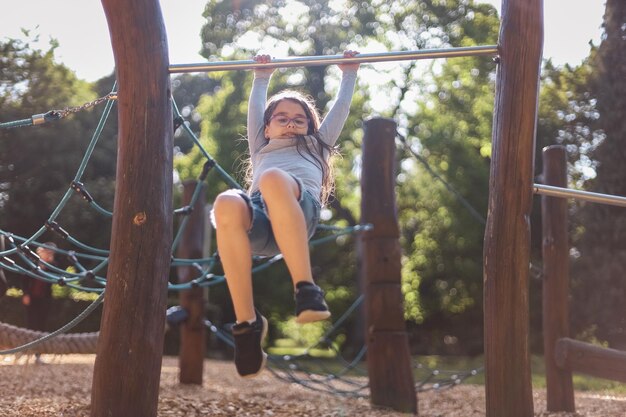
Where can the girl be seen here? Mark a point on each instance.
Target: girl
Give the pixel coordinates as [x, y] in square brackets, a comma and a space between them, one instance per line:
[291, 177]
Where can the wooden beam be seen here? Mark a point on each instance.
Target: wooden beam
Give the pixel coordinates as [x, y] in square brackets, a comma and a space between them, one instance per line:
[193, 330]
[388, 357]
[507, 235]
[589, 359]
[555, 248]
[130, 347]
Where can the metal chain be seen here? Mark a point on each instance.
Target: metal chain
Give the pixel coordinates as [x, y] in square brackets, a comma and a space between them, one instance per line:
[59, 114]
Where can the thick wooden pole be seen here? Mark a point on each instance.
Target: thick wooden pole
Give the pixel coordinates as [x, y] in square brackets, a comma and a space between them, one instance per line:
[555, 247]
[388, 357]
[130, 347]
[192, 331]
[507, 234]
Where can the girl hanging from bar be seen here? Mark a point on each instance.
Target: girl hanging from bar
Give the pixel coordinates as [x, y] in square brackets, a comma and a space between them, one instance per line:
[290, 179]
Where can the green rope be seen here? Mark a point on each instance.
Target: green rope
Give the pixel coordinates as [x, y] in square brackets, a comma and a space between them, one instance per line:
[225, 176]
[16, 123]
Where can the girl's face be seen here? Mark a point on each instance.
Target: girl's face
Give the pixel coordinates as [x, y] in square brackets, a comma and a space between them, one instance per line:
[288, 120]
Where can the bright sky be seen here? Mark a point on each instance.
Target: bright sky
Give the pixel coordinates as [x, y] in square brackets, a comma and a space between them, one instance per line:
[81, 29]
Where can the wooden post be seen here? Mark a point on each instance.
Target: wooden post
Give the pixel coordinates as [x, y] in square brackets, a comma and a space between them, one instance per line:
[388, 357]
[589, 359]
[192, 331]
[507, 235]
[555, 247]
[130, 347]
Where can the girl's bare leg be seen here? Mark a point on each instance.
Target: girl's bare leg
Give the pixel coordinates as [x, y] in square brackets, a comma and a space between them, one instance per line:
[232, 221]
[281, 193]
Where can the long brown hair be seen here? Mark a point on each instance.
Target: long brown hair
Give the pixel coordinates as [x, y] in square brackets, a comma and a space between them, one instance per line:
[313, 154]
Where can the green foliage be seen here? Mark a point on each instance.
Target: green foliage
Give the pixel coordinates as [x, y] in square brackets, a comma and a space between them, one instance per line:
[223, 120]
[38, 163]
[301, 26]
[567, 115]
[59, 291]
[598, 271]
[451, 130]
[303, 336]
[187, 89]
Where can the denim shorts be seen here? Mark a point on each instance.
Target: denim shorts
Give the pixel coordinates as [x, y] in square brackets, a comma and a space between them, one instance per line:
[262, 241]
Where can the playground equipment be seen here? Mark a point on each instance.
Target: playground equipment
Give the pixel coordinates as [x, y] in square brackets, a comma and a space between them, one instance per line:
[506, 255]
[306, 61]
[126, 377]
[129, 351]
[562, 354]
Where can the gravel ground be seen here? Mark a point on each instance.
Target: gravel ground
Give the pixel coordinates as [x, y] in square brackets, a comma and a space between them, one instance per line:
[62, 387]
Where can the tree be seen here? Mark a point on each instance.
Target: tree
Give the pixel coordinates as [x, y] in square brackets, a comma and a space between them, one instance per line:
[187, 89]
[38, 163]
[597, 280]
[567, 116]
[443, 191]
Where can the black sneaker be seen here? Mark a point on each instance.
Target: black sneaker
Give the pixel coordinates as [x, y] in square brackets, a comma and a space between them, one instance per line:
[310, 304]
[249, 356]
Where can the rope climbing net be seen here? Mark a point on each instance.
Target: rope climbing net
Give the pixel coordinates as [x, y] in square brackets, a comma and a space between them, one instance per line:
[347, 377]
[20, 257]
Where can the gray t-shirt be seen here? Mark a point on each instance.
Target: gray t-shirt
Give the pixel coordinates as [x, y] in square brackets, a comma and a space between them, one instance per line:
[282, 153]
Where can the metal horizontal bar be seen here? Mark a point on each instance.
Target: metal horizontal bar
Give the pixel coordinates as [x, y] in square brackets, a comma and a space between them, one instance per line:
[552, 191]
[308, 61]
